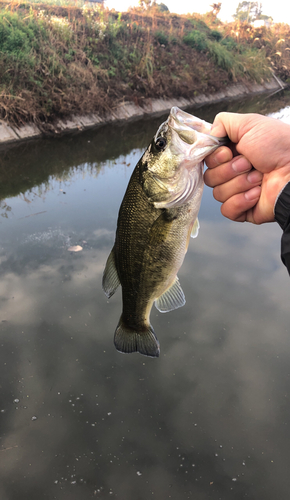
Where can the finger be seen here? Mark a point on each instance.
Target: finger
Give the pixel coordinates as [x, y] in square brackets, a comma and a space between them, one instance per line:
[219, 156]
[227, 171]
[234, 125]
[219, 127]
[236, 207]
[239, 184]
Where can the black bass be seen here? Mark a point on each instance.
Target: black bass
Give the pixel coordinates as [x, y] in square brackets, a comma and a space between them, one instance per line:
[156, 219]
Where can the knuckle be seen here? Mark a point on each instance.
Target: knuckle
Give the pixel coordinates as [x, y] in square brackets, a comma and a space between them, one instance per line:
[210, 161]
[208, 179]
[217, 194]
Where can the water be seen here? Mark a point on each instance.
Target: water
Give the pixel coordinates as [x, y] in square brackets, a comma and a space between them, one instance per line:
[210, 417]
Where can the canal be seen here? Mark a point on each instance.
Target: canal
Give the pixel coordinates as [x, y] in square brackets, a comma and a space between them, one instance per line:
[210, 418]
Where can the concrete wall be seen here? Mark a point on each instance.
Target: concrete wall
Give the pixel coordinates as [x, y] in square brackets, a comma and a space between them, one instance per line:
[128, 111]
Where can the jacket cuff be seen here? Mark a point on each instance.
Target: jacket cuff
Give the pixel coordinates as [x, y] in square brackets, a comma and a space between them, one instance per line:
[282, 207]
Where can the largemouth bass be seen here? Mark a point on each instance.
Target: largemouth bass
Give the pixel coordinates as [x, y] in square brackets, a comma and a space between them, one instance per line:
[157, 216]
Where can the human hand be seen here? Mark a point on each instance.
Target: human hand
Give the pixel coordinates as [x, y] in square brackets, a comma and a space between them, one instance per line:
[260, 142]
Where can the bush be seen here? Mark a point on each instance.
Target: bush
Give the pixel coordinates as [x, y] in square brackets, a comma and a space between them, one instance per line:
[199, 25]
[16, 37]
[196, 40]
[216, 35]
[230, 44]
[161, 37]
[221, 56]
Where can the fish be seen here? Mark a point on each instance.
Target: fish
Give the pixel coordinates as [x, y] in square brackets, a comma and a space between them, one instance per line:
[157, 217]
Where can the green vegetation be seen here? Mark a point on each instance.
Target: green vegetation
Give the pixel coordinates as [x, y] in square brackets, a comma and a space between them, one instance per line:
[57, 61]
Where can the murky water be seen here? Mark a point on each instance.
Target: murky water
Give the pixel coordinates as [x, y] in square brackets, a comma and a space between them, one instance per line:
[78, 420]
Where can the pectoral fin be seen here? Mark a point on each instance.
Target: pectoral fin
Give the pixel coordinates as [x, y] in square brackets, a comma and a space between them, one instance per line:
[171, 299]
[110, 277]
[195, 228]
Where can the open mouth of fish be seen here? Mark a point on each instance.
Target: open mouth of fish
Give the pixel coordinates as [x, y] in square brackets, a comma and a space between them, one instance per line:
[195, 131]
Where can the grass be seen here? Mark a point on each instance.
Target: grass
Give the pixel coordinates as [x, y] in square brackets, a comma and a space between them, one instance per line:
[57, 61]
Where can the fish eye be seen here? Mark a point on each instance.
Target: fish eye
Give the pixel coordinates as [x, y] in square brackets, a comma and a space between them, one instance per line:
[160, 143]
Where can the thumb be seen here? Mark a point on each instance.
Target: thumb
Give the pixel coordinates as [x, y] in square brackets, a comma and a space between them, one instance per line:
[229, 124]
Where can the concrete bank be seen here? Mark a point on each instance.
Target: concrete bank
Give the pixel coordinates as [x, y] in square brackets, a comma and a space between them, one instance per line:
[128, 111]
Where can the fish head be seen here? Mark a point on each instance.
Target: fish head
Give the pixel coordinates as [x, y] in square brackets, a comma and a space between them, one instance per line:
[172, 166]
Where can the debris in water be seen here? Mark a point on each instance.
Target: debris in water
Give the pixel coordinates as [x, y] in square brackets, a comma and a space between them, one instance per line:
[75, 248]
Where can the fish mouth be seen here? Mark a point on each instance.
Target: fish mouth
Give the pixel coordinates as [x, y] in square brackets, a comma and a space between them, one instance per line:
[194, 131]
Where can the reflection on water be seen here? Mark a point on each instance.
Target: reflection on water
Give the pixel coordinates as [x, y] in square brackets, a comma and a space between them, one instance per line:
[209, 418]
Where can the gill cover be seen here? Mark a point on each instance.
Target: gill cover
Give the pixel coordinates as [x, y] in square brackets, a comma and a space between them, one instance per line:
[174, 159]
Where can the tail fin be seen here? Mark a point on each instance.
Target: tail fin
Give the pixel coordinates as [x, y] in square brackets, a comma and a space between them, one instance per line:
[129, 340]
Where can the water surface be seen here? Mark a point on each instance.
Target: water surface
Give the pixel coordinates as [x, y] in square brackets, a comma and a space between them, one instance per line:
[78, 420]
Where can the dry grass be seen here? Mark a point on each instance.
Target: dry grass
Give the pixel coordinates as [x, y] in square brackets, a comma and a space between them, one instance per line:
[57, 61]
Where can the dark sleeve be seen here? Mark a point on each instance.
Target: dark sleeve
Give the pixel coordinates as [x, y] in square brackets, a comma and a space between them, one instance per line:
[282, 216]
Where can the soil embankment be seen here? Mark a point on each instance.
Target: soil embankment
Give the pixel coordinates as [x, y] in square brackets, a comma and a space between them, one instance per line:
[68, 68]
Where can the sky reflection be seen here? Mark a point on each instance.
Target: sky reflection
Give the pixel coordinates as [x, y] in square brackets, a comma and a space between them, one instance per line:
[208, 419]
